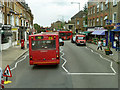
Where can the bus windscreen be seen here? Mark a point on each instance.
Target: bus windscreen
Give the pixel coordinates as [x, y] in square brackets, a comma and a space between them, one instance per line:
[43, 44]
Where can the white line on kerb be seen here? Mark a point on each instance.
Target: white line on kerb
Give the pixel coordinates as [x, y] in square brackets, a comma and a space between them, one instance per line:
[23, 58]
[65, 61]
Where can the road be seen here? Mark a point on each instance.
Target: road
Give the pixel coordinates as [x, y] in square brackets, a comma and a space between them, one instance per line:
[85, 70]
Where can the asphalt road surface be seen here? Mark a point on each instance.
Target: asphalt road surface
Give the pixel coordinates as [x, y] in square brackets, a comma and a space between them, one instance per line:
[81, 63]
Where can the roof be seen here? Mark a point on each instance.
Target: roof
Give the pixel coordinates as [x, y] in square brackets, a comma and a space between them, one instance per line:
[46, 33]
[78, 15]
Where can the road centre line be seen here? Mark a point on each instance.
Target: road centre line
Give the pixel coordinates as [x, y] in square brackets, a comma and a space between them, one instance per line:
[23, 58]
[65, 61]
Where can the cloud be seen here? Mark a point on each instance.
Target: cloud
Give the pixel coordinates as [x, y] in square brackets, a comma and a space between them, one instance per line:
[48, 11]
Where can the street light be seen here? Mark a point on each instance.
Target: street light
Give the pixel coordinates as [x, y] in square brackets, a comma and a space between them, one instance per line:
[76, 3]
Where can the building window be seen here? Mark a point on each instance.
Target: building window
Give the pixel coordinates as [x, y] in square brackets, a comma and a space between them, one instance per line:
[17, 21]
[101, 21]
[77, 22]
[105, 19]
[106, 22]
[97, 21]
[83, 23]
[114, 18]
[7, 3]
[94, 9]
[91, 10]
[106, 1]
[7, 19]
[0, 17]
[101, 6]
[114, 2]
[11, 20]
[3, 19]
[98, 7]
[93, 22]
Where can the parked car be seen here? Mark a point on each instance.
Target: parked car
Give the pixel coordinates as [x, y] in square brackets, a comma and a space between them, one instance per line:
[73, 39]
[80, 40]
[61, 42]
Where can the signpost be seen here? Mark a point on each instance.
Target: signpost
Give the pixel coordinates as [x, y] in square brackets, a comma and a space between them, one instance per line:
[7, 73]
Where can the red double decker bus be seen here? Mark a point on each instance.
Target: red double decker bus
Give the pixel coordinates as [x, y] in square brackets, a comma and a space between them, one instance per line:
[44, 49]
[66, 35]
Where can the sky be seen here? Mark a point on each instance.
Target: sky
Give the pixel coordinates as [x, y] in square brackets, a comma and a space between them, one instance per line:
[48, 11]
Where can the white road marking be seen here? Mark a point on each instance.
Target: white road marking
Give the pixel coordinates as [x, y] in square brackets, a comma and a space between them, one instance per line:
[24, 57]
[65, 61]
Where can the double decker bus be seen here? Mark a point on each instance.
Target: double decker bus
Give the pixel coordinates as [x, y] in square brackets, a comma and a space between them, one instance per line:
[65, 35]
[44, 49]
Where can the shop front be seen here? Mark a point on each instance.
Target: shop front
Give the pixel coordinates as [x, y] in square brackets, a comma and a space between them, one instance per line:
[99, 35]
[6, 35]
[115, 36]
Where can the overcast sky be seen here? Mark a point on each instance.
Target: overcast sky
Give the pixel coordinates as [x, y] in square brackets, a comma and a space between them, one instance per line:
[48, 11]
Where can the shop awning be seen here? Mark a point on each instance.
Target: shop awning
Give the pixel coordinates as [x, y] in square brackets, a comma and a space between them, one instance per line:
[86, 32]
[99, 32]
[116, 30]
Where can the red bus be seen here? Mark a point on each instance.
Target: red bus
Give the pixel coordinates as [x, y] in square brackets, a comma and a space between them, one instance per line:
[44, 49]
[66, 35]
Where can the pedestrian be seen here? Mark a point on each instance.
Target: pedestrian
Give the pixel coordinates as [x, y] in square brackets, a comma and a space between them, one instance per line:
[117, 45]
[99, 45]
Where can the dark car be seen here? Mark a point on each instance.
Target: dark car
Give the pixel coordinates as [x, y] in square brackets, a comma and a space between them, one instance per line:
[61, 42]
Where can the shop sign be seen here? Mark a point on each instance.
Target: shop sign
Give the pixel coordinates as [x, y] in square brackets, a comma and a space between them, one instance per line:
[6, 27]
[14, 29]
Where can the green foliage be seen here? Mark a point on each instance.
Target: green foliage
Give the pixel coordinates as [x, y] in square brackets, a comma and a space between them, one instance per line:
[37, 27]
[86, 12]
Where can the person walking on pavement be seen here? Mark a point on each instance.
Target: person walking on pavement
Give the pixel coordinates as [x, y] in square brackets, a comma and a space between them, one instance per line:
[117, 45]
[99, 45]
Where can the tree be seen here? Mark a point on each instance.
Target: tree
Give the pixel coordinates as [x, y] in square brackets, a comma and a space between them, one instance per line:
[86, 12]
[37, 27]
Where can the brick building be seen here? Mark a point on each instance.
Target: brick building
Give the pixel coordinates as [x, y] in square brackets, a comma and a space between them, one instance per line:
[100, 12]
[79, 21]
[18, 17]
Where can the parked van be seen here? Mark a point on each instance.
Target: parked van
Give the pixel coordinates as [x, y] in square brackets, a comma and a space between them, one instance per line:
[80, 40]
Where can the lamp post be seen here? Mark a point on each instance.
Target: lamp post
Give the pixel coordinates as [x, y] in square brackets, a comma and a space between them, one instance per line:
[76, 3]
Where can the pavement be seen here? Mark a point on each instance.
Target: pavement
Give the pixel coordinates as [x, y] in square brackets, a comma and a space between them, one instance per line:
[114, 56]
[11, 55]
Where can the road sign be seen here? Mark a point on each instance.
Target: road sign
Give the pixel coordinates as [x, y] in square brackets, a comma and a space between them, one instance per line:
[7, 72]
[109, 21]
